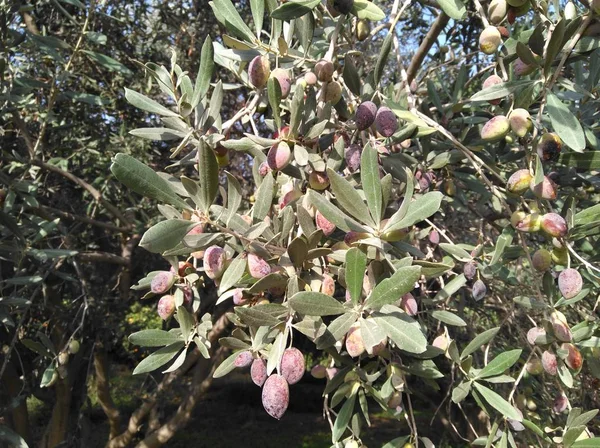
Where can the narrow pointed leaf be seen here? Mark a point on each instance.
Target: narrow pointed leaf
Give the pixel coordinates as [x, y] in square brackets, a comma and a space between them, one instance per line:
[315, 304]
[392, 289]
[498, 403]
[371, 183]
[143, 180]
[159, 358]
[356, 263]
[166, 235]
[208, 173]
[205, 71]
[264, 198]
[565, 123]
[418, 210]
[500, 363]
[348, 198]
[153, 338]
[149, 105]
[402, 329]
[334, 214]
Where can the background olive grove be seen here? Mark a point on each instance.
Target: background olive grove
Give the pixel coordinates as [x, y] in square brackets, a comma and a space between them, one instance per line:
[70, 230]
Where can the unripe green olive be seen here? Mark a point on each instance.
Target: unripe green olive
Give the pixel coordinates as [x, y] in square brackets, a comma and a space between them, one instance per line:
[362, 29]
[495, 129]
[74, 346]
[497, 11]
[520, 122]
[541, 260]
[490, 40]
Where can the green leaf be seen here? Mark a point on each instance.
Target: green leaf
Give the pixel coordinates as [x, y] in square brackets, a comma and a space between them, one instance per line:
[215, 105]
[525, 54]
[205, 71]
[232, 274]
[369, 177]
[565, 123]
[294, 9]
[296, 108]
[356, 263]
[25, 280]
[159, 358]
[424, 207]
[408, 193]
[274, 93]
[588, 216]
[499, 90]
[108, 62]
[498, 403]
[456, 251]
[166, 235]
[12, 438]
[315, 304]
[402, 329]
[343, 418]
[333, 214]
[149, 105]
[37, 347]
[392, 289]
[153, 338]
[460, 392]
[305, 30]
[351, 75]
[582, 419]
[503, 241]
[186, 322]
[228, 15]
[347, 196]
[589, 443]
[272, 280]
[451, 287]
[97, 38]
[158, 134]
[383, 56]
[371, 333]
[234, 197]
[297, 251]
[276, 352]
[500, 364]
[178, 362]
[257, 317]
[87, 98]
[588, 160]
[479, 340]
[364, 9]
[258, 14]
[448, 318]
[554, 46]
[48, 375]
[336, 330]
[226, 366]
[434, 97]
[208, 173]
[264, 198]
[397, 442]
[453, 8]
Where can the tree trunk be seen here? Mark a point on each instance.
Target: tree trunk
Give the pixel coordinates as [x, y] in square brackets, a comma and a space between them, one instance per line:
[138, 417]
[19, 415]
[203, 378]
[56, 430]
[103, 391]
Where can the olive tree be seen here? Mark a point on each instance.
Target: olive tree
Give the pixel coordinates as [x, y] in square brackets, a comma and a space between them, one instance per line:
[424, 211]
